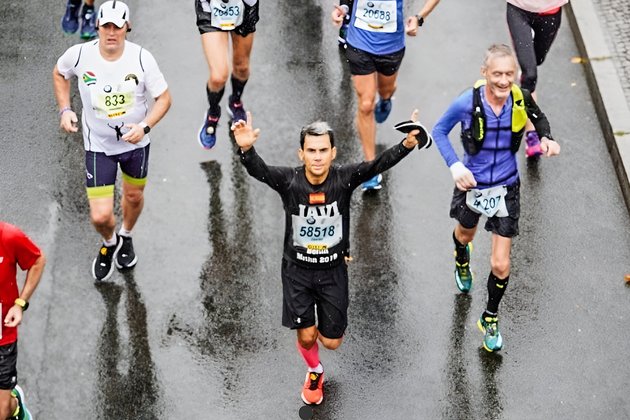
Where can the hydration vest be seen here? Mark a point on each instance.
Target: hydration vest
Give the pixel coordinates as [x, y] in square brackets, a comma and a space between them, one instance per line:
[472, 138]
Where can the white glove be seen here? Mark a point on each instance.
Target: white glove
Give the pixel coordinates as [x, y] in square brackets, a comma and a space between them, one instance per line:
[464, 179]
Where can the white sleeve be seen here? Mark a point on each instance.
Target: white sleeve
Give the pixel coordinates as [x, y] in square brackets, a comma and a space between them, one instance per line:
[154, 80]
[66, 63]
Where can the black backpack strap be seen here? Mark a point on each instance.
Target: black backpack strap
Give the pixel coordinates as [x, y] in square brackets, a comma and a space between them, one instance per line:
[478, 125]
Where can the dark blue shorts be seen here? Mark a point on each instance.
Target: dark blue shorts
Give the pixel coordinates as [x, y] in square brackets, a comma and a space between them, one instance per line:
[100, 170]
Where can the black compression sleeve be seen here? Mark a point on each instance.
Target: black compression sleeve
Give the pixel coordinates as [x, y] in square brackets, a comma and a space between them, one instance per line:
[536, 116]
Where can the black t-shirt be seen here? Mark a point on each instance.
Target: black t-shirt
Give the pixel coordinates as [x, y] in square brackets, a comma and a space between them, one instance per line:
[317, 217]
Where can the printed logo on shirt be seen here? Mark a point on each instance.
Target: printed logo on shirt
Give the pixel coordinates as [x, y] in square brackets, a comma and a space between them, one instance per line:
[1, 259]
[89, 78]
[317, 198]
[133, 77]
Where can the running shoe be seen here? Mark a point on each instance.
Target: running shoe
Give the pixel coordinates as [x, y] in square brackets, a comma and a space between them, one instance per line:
[372, 183]
[236, 110]
[489, 326]
[382, 110]
[102, 266]
[23, 413]
[463, 274]
[88, 22]
[343, 31]
[532, 145]
[313, 392]
[70, 20]
[208, 131]
[126, 257]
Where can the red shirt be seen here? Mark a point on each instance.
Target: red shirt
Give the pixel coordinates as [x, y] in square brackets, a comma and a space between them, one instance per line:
[15, 248]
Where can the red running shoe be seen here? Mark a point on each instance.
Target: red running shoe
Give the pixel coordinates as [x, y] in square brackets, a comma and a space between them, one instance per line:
[313, 392]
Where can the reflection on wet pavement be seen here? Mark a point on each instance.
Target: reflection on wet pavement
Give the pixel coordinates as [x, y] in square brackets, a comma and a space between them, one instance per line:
[458, 399]
[229, 329]
[126, 383]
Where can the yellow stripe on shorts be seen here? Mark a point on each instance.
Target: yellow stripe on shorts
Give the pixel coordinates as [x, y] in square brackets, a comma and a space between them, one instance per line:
[134, 181]
[104, 191]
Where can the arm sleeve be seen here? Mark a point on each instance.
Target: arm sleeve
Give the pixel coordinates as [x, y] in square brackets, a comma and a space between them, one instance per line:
[154, 80]
[277, 177]
[25, 250]
[460, 110]
[67, 62]
[536, 116]
[363, 171]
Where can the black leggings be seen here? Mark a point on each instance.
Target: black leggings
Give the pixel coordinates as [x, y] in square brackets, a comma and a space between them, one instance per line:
[531, 51]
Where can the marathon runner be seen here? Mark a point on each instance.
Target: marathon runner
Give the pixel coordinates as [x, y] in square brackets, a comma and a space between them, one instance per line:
[533, 27]
[316, 198]
[375, 46]
[218, 21]
[16, 249]
[115, 76]
[492, 117]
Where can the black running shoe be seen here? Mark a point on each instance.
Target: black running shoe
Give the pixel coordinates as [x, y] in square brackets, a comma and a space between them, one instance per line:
[102, 266]
[126, 257]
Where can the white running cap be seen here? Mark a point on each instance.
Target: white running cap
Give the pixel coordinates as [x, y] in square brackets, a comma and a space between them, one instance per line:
[115, 12]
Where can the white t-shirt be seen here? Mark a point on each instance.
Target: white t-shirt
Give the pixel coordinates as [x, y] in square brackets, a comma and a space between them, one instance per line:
[538, 6]
[113, 93]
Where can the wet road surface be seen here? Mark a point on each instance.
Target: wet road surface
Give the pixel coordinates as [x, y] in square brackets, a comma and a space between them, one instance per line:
[195, 329]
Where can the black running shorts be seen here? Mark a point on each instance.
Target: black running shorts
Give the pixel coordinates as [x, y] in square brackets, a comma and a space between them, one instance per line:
[8, 366]
[248, 26]
[304, 289]
[100, 170]
[363, 63]
[502, 226]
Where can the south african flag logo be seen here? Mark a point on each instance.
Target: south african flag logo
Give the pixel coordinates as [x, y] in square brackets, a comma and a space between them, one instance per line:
[89, 78]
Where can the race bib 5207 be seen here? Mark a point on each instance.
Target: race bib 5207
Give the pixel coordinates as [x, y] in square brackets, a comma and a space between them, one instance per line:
[489, 202]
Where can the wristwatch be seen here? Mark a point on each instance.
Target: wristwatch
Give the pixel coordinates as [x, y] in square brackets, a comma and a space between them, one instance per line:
[21, 303]
[145, 127]
[420, 19]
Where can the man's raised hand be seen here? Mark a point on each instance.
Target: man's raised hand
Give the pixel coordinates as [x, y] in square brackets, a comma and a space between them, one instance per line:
[244, 133]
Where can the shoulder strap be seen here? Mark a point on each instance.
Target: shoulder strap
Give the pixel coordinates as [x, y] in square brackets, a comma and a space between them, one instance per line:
[478, 115]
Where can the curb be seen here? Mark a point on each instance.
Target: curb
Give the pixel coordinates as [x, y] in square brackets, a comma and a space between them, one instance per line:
[606, 89]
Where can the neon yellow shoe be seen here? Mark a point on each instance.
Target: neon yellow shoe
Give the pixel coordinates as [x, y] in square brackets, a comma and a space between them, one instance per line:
[489, 326]
[23, 413]
[463, 274]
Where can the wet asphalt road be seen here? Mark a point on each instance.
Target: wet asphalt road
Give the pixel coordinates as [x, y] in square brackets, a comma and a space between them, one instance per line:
[194, 330]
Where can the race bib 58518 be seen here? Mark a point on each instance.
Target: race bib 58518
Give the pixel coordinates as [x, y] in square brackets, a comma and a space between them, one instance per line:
[317, 228]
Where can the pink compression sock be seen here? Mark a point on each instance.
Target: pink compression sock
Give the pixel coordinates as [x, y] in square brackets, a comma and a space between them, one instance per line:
[311, 356]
